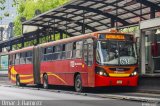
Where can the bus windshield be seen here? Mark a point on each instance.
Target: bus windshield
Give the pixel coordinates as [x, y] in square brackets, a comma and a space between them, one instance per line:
[112, 52]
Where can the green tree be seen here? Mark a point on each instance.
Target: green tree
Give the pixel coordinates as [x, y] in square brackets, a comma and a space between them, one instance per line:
[26, 9]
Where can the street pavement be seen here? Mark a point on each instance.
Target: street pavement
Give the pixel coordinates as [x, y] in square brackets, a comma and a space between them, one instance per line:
[48, 98]
[11, 95]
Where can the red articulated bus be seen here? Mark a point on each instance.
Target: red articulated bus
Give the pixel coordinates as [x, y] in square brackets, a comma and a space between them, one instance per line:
[93, 60]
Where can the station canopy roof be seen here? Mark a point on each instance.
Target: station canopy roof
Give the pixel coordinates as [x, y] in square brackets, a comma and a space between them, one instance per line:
[94, 15]
[84, 16]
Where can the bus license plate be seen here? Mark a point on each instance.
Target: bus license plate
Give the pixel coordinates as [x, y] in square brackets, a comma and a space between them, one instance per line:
[119, 81]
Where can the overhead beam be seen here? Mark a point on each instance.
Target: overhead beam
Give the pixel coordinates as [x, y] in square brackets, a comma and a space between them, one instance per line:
[70, 20]
[149, 4]
[74, 15]
[113, 4]
[65, 32]
[46, 26]
[98, 12]
[57, 25]
[18, 40]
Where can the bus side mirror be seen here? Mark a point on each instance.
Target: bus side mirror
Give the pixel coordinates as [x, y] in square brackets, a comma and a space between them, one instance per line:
[154, 48]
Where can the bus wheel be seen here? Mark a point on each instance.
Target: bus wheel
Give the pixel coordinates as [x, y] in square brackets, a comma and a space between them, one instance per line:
[45, 81]
[18, 83]
[78, 83]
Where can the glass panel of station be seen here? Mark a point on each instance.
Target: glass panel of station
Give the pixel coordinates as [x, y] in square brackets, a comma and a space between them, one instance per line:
[152, 51]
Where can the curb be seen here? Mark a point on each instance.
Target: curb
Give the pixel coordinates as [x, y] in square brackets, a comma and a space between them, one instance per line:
[131, 98]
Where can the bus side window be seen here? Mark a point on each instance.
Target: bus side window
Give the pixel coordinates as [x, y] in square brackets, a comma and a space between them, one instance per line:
[17, 58]
[10, 59]
[49, 51]
[17, 55]
[13, 59]
[44, 51]
[22, 58]
[63, 51]
[88, 51]
[74, 50]
[85, 53]
[58, 50]
[69, 48]
[54, 49]
[54, 53]
[90, 54]
[44, 54]
[79, 46]
[29, 57]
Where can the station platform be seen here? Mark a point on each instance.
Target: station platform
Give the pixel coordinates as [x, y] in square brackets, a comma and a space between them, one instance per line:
[149, 83]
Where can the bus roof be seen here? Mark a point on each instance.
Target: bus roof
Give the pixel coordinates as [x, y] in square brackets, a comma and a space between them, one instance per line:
[67, 40]
[22, 50]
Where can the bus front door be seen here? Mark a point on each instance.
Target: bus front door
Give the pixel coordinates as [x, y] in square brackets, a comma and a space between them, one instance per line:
[88, 58]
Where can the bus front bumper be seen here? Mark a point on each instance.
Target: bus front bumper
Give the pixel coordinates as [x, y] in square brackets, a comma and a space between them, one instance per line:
[101, 81]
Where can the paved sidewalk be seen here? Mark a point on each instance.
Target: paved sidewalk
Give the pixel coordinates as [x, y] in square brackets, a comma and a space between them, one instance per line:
[4, 78]
[4, 73]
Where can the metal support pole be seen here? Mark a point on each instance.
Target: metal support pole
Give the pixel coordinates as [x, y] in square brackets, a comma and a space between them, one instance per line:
[141, 12]
[22, 30]
[1, 35]
[1, 30]
[142, 52]
[50, 36]
[37, 39]
[116, 14]
[37, 36]
[22, 42]
[152, 15]
[151, 39]
[61, 35]
[112, 23]
[49, 33]
[66, 26]
[11, 47]
[83, 26]
[54, 32]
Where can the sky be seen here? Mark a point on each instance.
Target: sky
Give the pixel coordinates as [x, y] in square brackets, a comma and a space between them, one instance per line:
[11, 10]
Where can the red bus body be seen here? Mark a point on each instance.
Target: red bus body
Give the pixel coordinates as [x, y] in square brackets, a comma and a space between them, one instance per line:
[24, 70]
[63, 71]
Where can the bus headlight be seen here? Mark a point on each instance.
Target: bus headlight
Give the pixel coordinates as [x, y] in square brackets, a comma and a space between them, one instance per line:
[101, 71]
[134, 73]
